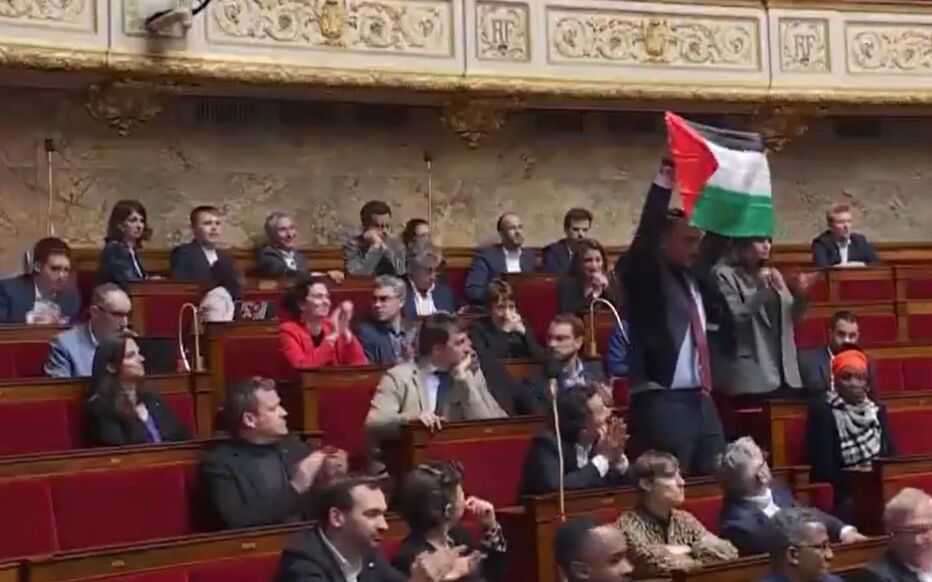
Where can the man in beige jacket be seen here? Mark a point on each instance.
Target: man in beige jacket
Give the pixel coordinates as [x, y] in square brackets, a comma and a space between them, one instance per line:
[444, 384]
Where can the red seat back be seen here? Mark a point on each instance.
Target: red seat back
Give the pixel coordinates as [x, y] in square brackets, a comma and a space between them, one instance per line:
[492, 467]
[254, 356]
[162, 313]
[866, 290]
[536, 298]
[705, 509]
[456, 279]
[36, 426]
[917, 373]
[167, 575]
[811, 332]
[795, 441]
[909, 432]
[878, 328]
[888, 375]
[920, 326]
[26, 507]
[24, 359]
[342, 416]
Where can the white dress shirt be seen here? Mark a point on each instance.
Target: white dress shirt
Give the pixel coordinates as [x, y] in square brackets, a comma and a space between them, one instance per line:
[922, 576]
[423, 302]
[136, 267]
[686, 374]
[433, 387]
[512, 261]
[290, 261]
[350, 571]
[211, 255]
[843, 251]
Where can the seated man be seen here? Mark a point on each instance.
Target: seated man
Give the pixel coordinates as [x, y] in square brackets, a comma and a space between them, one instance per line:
[753, 498]
[261, 475]
[443, 384]
[840, 246]
[281, 257]
[593, 443]
[800, 549]
[71, 353]
[45, 295]
[908, 520]
[193, 261]
[587, 551]
[386, 338]
[815, 364]
[426, 293]
[508, 256]
[375, 252]
[559, 255]
[564, 341]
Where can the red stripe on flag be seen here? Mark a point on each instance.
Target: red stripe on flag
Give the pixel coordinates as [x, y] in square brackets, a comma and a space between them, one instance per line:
[692, 158]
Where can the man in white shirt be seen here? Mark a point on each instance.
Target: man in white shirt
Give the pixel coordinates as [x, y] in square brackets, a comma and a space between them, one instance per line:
[839, 245]
[427, 294]
[194, 261]
[508, 256]
[908, 520]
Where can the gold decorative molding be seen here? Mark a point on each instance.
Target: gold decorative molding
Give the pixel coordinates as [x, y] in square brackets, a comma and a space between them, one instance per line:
[804, 46]
[404, 27]
[781, 124]
[123, 104]
[476, 119]
[889, 48]
[638, 38]
[502, 31]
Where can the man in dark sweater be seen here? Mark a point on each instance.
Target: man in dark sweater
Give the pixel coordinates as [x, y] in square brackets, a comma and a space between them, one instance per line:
[261, 475]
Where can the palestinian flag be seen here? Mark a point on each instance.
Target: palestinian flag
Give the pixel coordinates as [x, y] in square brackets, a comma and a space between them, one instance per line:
[723, 177]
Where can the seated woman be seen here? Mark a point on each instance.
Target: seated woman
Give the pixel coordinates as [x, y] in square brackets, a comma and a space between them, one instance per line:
[662, 538]
[587, 280]
[432, 505]
[312, 336]
[127, 228]
[119, 410]
[845, 429]
[503, 334]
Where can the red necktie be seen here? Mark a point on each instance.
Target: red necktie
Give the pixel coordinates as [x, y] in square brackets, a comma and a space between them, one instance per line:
[702, 345]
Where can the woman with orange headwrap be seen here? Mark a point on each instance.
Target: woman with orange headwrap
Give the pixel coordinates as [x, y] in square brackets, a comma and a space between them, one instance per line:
[845, 428]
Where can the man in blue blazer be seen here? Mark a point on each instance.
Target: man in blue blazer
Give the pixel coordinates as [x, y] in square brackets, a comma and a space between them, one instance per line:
[800, 549]
[426, 294]
[386, 337]
[840, 245]
[558, 255]
[47, 294]
[194, 261]
[508, 256]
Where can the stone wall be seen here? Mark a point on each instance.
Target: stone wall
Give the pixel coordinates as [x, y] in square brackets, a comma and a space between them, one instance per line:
[324, 160]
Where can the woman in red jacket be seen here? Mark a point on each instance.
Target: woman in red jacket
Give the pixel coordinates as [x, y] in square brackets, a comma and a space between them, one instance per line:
[313, 337]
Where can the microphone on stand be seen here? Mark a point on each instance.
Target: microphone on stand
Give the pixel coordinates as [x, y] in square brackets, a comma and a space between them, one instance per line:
[552, 368]
[182, 351]
[593, 348]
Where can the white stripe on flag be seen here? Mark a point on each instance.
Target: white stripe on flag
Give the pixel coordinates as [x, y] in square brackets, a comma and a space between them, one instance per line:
[740, 171]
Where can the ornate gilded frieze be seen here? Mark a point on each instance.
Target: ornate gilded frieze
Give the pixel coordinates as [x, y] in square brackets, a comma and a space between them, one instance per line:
[502, 31]
[476, 119]
[578, 36]
[409, 27]
[889, 48]
[79, 14]
[804, 46]
[123, 105]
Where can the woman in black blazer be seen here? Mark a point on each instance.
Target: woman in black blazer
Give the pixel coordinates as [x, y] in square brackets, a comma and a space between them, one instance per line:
[120, 260]
[119, 410]
[432, 503]
[588, 279]
[503, 333]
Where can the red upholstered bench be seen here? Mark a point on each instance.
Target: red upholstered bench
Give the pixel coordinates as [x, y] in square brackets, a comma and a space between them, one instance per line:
[902, 368]
[706, 509]
[872, 489]
[156, 305]
[879, 324]
[536, 297]
[863, 285]
[24, 349]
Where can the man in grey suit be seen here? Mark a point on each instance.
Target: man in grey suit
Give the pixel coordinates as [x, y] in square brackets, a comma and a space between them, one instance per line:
[71, 352]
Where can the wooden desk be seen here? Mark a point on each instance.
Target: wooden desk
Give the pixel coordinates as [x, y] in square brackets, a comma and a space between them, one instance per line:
[872, 489]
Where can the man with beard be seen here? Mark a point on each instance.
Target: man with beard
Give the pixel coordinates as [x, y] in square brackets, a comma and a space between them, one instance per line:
[815, 364]
[908, 519]
[508, 256]
[564, 341]
[589, 552]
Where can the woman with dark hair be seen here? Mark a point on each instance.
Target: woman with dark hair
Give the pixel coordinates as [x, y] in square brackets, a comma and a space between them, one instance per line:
[119, 410]
[127, 229]
[312, 336]
[587, 279]
[503, 333]
[432, 505]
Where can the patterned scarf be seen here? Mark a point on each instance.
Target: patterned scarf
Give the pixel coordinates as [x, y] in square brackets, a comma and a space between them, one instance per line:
[858, 430]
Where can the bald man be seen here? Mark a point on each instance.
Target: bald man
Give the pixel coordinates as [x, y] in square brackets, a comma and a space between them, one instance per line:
[508, 256]
[908, 519]
[589, 552]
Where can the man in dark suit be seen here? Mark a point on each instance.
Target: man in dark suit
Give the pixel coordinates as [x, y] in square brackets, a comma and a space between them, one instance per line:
[593, 444]
[386, 337]
[344, 543]
[564, 342]
[675, 316]
[194, 261]
[753, 498]
[840, 245]
[508, 256]
[261, 475]
[280, 257]
[46, 295]
[589, 551]
[426, 293]
[815, 364]
[908, 519]
[558, 255]
[800, 549]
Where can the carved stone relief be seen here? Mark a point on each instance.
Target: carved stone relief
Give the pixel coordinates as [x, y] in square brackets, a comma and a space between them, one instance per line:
[475, 119]
[634, 38]
[50, 13]
[889, 48]
[804, 45]
[502, 31]
[416, 27]
[781, 124]
[123, 104]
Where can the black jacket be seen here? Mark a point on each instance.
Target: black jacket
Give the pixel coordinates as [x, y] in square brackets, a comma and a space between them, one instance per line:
[572, 298]
[886, 568]
[106, 427]
[189, 263]
[241, 494]
[271, 264]
[825, 252]
[491, 342]
[18, 297]
[116, 265]
[542, 469]
[557, 257]
[815, 370]
[516, 398]
[492, 569]
[308, 559]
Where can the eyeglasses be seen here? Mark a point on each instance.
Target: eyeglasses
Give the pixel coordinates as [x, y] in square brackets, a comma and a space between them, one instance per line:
[913, 530]
[113, 313]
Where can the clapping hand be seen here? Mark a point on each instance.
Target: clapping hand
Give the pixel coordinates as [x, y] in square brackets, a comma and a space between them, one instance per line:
[335, 465]
[340, 319]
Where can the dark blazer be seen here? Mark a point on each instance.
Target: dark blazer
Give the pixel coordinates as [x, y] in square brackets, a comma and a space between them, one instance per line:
[188, 263]
[493, 566]
[441, 294]
[557, 257]
[18, 297]
[491, 342]
[815, 369]
[592, 372]
[515, 398]
[106, 427]
[115, 265]
[776, 577]
[542, 469]
[749, 529]
[886, 568]
[571, 296]
[271, 263]
[307, 558]
[487, 264]
[825, 252]
[377, 344]
[240, 493]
